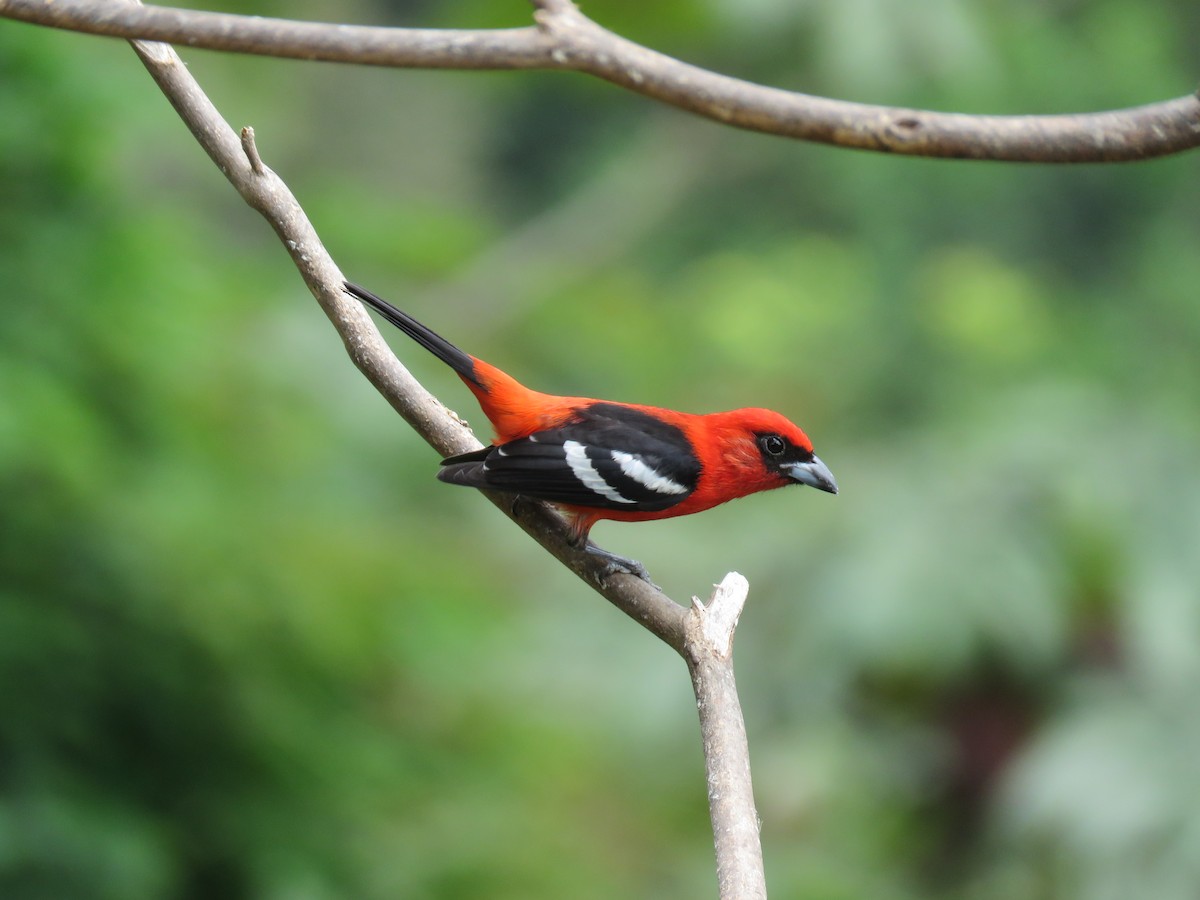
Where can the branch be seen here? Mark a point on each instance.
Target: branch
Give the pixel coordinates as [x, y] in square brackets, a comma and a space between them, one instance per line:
[709, 654]
[564, 39]
[703, 636]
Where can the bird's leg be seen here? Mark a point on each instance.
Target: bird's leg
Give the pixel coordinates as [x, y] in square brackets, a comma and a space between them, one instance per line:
[614, 563]
[577, 537]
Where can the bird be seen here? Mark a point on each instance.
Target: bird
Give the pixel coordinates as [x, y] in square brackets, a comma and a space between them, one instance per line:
[599, 460]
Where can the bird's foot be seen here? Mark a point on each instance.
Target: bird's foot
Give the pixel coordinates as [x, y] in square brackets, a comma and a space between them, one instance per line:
[614, 563]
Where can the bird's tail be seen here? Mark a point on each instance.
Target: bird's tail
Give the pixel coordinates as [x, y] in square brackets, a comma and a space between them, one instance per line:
[460, 362]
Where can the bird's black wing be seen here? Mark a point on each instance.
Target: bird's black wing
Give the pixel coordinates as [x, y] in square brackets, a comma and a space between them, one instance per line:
[608, 457]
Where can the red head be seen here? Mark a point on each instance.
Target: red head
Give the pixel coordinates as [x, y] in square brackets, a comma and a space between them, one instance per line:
[759, 450]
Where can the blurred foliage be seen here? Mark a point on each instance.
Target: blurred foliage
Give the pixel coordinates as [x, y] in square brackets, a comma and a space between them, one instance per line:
[249, 648]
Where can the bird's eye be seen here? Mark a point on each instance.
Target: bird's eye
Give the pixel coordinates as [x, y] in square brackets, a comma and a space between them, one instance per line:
[773, 444]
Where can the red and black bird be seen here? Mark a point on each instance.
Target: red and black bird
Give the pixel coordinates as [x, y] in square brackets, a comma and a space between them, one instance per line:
[596, 459]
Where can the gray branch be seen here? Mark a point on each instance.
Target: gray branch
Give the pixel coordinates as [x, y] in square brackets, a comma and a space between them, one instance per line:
[564, 39]
[709, 654]
[702, 636]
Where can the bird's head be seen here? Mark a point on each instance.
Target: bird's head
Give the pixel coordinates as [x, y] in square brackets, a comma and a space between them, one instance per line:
[770, 443]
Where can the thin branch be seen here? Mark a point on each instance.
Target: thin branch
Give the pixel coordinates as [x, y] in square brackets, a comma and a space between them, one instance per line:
[703, 636]
[564, 39]
[238, 158]
[709, 653]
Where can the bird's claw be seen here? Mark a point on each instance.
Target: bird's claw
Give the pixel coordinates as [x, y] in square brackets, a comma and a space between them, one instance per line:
[614, 564]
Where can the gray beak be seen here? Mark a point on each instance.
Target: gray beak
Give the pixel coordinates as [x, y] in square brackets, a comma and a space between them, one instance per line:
[814, 473]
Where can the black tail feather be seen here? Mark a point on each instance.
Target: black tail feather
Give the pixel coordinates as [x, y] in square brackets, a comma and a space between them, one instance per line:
[466, 468]
[469, 473]
[460, 362]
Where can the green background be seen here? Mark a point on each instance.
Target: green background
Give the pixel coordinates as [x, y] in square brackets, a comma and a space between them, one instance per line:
[250, 648]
